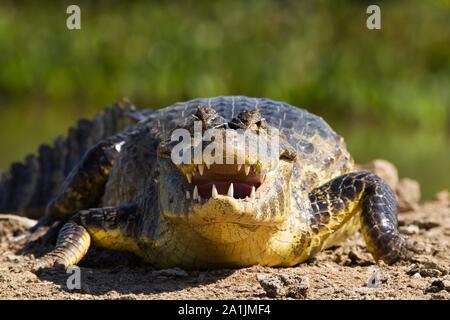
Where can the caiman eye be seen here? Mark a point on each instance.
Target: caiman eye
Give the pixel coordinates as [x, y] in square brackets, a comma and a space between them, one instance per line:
[288, 155]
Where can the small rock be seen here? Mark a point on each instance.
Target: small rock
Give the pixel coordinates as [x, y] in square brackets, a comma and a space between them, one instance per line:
[443, 197]
[272, 285]
[25, 222]
[358, 259]
[386, 170]
[426, 225]
[430, 273]
[446, 284]
[438, 286]
[172, 272]
[433, 265]
[425, 264]
[12, 258]
[413, 269]
[426, 269]
[409, 230]
[408, 194]
[441, 295]
[279, 286]
[417, 275]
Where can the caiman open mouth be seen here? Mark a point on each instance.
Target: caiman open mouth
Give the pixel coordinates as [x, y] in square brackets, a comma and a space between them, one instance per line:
[236, 181]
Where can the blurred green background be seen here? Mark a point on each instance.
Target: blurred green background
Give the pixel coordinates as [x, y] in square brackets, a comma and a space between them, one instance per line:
[387, 91]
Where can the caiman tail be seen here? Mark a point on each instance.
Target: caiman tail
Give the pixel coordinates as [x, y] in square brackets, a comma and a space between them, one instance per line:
[27, 187]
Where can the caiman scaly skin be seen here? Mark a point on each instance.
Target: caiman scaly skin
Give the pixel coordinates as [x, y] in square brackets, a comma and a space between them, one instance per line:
[125, 193]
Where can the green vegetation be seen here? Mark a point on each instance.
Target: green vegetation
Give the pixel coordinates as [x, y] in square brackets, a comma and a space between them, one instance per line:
[386, 91]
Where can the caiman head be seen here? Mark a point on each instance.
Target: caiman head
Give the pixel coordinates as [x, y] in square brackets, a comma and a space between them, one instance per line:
[232, 174]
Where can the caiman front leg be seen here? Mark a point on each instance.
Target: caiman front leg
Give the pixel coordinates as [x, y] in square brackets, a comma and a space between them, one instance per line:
[82, 188]
[367, 196]
[112, 228]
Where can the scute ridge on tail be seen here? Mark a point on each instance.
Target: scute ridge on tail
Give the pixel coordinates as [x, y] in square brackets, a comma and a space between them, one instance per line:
[28, 186]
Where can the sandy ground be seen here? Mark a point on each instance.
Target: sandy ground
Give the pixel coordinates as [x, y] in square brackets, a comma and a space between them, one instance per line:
[344, 272]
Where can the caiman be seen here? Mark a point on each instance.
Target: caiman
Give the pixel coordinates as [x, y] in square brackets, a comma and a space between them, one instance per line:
[113, 182]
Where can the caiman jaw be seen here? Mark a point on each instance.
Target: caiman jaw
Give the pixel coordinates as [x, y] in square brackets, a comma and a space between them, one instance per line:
[211, 181]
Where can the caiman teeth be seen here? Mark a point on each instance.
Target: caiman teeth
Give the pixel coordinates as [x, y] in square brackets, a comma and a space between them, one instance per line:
[195, 194]
[201, 168]
[222, 180]
[230, 192]
[214, 192]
